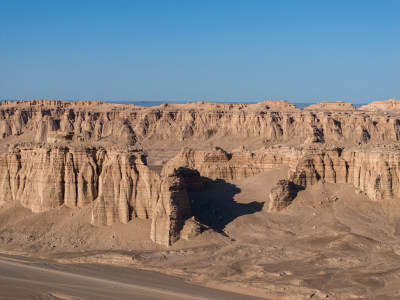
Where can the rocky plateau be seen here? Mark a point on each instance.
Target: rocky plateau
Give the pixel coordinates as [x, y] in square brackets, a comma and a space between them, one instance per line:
[125, 162]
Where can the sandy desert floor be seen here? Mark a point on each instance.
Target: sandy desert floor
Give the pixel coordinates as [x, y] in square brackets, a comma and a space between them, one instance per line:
[32, 278]
[330, 243]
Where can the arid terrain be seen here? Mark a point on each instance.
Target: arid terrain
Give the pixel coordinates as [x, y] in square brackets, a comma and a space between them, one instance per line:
[259, 200]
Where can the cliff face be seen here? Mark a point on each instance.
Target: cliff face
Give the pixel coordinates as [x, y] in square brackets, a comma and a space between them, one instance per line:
[171, 211]
[216, 163]
[78, 154]
[42, 177]
[388, 105]
[115, 180]
[374, 171]
[325, 105]
[127, 189]
[267, 122]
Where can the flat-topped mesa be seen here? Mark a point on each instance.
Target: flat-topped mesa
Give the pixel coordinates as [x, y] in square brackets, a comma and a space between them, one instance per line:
[43, 178]
[274, 105]
[391, 104]
[206, 105]
[326, 105]
[278, 105]
[51, 103]
[176, 125]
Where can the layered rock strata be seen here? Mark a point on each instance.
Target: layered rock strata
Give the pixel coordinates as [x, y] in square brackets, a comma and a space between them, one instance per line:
[115, 181]
[325, 105]
[374, 171]
[388, 105]
[172, 209]
[80, 153]
[216, 163]
[42, 177]
[266, 122]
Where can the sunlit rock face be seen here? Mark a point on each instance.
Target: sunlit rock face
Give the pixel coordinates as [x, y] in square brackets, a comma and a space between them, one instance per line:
[44, 177]
[55, 153]
[268, 122]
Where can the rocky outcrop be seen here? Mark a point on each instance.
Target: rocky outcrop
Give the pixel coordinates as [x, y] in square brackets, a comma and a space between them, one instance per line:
[81, 153]
[172, 210]
[116, 182]
[331, 106]
[192, 179]
[43, 177]
[191, 229]
[374, 171]
[215, 163]
[282, 194]
[388, 105]
[265, 123]
[127, 189]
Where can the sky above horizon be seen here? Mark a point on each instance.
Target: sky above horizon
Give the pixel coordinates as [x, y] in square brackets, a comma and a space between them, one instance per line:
[300, 51]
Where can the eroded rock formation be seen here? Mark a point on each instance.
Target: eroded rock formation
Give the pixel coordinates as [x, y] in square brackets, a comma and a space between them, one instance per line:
[282, 194]
[216, 163]
[374, 171]
[172, 209]
[325, 105]
[56, 153]
[265, 123]
[116, 181]
[42, 177]
[388, 105]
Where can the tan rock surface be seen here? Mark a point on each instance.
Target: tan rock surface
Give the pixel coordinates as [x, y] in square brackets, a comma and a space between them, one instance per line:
[388, 105]
[172, 209]
[73, 163]
[325, 105]
[282, 194]
[173, 126]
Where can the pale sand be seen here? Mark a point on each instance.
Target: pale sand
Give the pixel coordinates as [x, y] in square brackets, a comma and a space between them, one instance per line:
[23, 278]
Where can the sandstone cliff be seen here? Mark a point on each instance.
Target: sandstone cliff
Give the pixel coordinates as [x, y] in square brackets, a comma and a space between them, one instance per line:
[172, 209]
[374, 171]
[216, 163]
[325, 105]
[81, 153]
[115, 180]
[388, 105]
[282, 194]
[42, 177]
[265, 123]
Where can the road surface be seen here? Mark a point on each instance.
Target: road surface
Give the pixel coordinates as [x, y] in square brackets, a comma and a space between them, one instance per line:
[32, 278]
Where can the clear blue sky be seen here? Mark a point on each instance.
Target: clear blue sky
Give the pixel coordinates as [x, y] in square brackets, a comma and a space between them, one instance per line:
[301, 51]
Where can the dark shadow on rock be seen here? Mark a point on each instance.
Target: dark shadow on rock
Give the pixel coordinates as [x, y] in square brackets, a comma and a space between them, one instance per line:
[215, 206]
